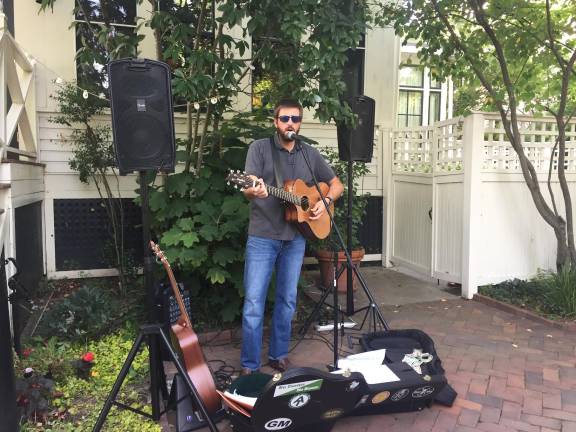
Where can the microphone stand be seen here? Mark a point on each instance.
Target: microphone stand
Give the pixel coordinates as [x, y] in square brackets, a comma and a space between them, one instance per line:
[373, 305]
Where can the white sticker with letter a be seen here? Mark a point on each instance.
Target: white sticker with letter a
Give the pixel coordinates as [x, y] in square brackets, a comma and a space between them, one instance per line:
[299, 400]
[278, 423]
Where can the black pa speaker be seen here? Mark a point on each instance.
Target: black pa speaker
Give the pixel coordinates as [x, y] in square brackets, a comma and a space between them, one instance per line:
[142, 115]
[357, 144]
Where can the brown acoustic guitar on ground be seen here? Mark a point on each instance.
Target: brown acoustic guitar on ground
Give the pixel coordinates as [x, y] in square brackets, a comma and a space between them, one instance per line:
[300, 199]
[189, 347]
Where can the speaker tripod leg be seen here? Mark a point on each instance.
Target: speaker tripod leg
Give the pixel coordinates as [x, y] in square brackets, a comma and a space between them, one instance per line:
[119, 381]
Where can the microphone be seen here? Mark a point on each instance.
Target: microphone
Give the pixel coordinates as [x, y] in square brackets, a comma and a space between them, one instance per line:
[291, 135]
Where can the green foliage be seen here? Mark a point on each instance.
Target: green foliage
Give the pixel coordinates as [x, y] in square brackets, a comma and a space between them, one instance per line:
[550, 294]
[517, 292]
[202, 229]
[75, 403]
[561, 290]
[359, 202]
[87, 312]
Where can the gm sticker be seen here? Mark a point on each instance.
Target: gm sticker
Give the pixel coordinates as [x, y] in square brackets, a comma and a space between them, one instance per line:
[300, 387]
[278, 423]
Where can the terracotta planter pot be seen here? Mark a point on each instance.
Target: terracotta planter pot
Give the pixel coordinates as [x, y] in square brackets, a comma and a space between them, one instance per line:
[326, 263]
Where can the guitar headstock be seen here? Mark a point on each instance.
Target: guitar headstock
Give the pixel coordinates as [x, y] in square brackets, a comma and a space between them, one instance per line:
[158, 252]
[240, 179]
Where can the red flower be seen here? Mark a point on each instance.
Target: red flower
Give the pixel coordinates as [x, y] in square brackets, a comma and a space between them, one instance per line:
[88, 357]
[26, 352]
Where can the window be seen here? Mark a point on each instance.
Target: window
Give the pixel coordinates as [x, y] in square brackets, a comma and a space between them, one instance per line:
[90, 16]
[420, 96]
[411, 76]
[410, 108]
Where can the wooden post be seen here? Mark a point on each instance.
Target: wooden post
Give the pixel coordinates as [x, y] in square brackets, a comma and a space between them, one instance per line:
[471, 217]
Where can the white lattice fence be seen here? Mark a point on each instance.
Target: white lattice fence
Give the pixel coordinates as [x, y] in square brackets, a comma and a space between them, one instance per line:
[412, 150]
[539, 137]
[448, 146]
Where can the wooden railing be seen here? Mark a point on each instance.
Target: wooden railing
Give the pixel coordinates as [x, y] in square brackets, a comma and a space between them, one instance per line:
[17, 105]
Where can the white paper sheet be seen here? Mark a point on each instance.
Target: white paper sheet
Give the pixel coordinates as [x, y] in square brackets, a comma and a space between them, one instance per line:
[369, 364]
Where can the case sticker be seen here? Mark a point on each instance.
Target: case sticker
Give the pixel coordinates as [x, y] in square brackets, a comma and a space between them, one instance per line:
[400, 394]
[333, 413]
[380, 397]
[352, 386]
[421, 392]
[298, 387]
[278, 424]
[299, 400]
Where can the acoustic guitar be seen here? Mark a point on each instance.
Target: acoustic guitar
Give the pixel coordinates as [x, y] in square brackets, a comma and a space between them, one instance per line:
[189, 347]
[300, 199]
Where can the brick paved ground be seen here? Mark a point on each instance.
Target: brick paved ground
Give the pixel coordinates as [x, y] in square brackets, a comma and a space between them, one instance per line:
[511, 374]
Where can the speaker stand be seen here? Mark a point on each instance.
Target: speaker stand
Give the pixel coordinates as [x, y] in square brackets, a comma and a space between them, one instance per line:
[157, 376]
[150, 331]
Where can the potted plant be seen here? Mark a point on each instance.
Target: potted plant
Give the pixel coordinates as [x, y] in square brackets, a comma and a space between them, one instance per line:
[324, 249]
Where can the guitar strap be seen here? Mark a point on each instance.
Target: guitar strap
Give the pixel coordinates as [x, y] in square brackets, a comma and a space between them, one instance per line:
[277, 172]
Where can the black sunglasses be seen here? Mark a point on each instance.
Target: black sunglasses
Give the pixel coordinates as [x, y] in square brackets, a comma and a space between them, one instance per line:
[285, 118]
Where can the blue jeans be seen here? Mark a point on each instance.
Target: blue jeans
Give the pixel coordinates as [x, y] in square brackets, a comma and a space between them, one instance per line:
[262, 256]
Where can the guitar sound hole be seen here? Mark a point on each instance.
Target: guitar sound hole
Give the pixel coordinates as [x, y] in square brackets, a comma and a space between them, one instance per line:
[305, 204]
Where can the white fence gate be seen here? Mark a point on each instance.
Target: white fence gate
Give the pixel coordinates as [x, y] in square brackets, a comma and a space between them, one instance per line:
[426, 195]
[459, 208]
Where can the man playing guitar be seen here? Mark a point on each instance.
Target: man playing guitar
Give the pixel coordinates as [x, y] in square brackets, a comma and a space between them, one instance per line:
[273, 243]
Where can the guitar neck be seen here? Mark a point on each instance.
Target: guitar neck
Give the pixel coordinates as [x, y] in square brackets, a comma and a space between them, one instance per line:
[284, 195]
[178, 296]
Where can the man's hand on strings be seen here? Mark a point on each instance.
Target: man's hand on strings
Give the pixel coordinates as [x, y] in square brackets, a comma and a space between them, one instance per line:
[318, 210]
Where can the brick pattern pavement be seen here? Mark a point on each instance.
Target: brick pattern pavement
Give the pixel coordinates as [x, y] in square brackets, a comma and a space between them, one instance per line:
[511, 374]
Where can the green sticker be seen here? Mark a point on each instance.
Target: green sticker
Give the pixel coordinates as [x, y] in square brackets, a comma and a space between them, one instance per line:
[299, 387]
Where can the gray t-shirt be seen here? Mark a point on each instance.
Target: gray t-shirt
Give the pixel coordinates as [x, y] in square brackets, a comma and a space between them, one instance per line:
[267, 215]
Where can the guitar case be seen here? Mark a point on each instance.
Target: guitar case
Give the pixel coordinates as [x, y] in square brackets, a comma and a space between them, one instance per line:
[414, 391]
[302, 400]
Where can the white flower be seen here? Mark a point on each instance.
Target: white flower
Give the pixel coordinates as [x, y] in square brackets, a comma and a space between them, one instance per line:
[85, 94]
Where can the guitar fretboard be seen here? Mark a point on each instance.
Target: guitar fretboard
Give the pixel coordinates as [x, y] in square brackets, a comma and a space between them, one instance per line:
[284, 195]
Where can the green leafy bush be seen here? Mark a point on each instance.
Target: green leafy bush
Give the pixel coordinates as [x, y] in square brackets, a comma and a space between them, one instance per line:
[88, 311]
